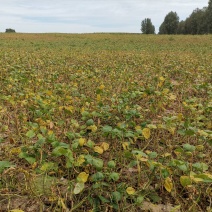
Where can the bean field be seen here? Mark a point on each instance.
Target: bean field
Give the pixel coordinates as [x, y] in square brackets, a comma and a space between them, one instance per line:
[105, 122]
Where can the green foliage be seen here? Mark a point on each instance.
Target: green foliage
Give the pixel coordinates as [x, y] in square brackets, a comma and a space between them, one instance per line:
[9, 30]
[118, 123]
[147, 27]
[209, 16]
[199, 22]
[4, 165]
[196, 23]
[170, 24]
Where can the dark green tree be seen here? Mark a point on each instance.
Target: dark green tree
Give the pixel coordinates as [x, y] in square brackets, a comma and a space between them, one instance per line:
[9, 30]
[170, 24]
[196, 23]
[162, 29]
[209, 16]
[181, 27]
[147, 27]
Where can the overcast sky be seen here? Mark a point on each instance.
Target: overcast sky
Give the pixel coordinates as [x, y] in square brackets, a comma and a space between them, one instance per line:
[85, 16]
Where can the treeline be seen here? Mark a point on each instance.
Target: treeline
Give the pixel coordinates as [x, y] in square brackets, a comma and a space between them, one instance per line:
[199, 22]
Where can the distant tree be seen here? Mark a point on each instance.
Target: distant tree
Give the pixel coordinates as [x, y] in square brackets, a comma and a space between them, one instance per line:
[209, 16]
[170, 24]
[196, 23]
[181, 27]
[147, 27]
[162, 29]
[9, 30]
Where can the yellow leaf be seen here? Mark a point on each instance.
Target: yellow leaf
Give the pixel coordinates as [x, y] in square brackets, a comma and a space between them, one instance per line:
[93, 128]
[180, 117]
[15, 151]
[80, 160]
[196, 180]
[152, 126]
[52, 199]
[82, 110]
[139, 157]
[50, 132]
[202, 133]
[82, 177]
[16, 210]
[34, 165]
[98, 97]
[49, 93]
[172, 130]
[137, 128]
[146, 133]
[130, 190]
[168, 184]
[125, 145]
[166, 154]
[165, 91]
[98, 149]
[200, 147]
[105, 146]
[101, 87]
[69, 108]
[172, 96]
[162, 79]
[127, 107]
[82, 141]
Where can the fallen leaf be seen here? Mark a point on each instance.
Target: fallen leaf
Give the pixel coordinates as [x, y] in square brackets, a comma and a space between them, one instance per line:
[146, 133]
[168, 184]
[130, 190]
[98, 149]
[82, 177]
[105, 146]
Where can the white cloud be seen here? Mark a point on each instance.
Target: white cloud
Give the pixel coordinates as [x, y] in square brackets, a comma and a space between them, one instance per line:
[89, 15]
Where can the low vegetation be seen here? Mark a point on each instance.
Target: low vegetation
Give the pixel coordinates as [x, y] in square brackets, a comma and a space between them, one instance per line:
[105, 122]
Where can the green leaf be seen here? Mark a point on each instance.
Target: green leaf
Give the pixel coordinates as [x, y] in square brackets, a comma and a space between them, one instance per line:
[89, 122]
[4, 165]
[1, 140]
[206, 177]
[116, 196]
[200, 166]
[114, 176]
[78, 188]
[97, 177]
[48, 167]
[96, 162]
[111, 164]
[107, 129]
[30, 160]
[189, 147]
[59, 151]
[69, 163]
[139, 200]
[137, 152]
[185, 181]
[152, 155]
[154, 197]
[183, 167]
[90, 144]
[30, 134]
[103, 199]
